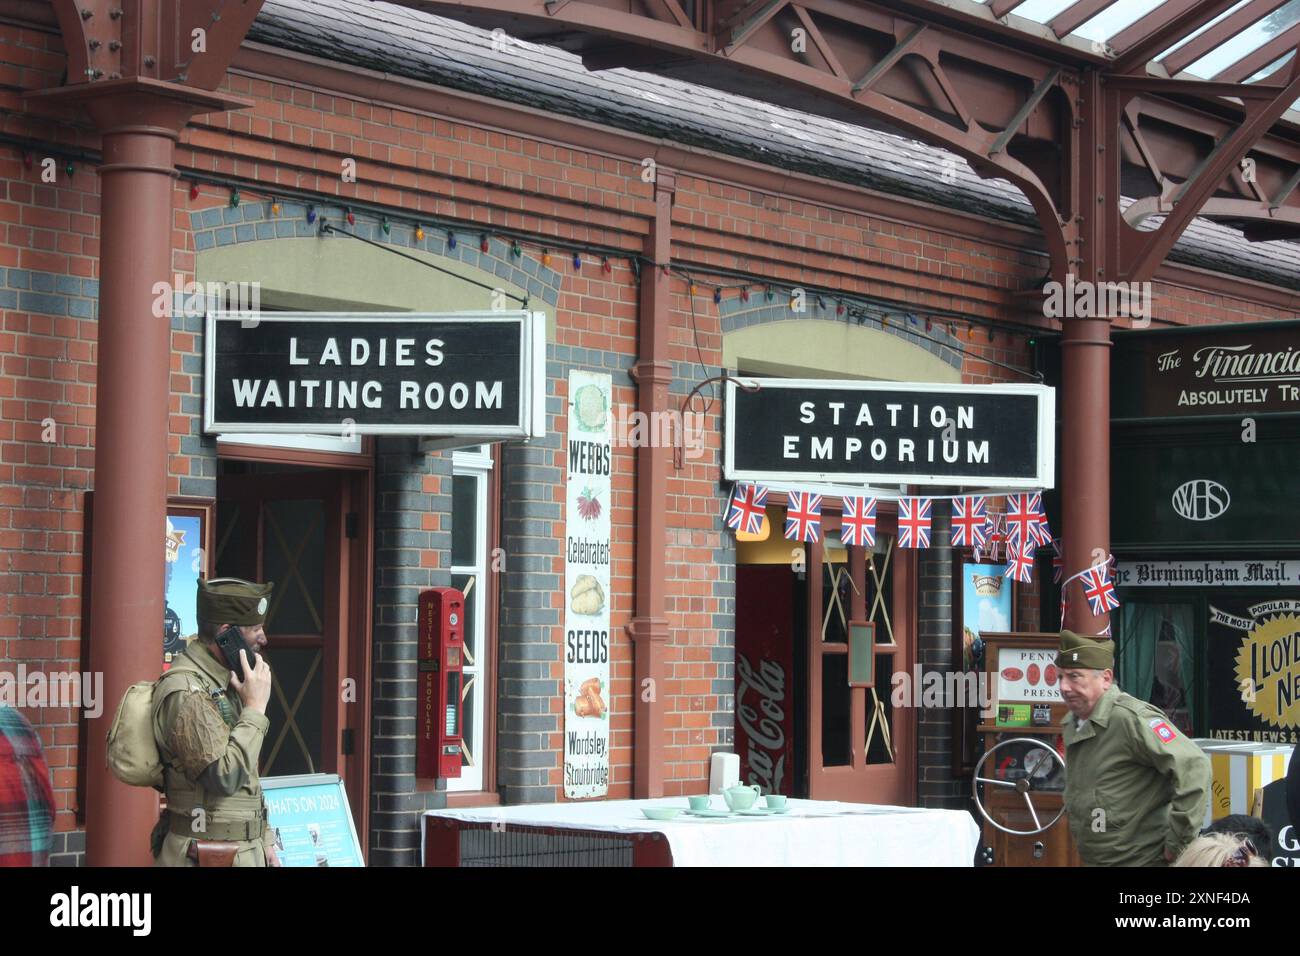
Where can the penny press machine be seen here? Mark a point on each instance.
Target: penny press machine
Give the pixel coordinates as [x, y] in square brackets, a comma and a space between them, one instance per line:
[1019, 782]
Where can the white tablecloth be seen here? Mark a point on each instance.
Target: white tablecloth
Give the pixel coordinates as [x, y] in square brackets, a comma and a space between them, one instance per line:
[813, 833]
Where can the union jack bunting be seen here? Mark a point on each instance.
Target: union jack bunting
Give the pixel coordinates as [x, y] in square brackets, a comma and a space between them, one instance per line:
[968, 522]
[746, 508]
[1099, 590]
[994, 537]
[914, 522]
[1022, 520]
[1058, 561]
[803, 517]
[1042, 532]
[1020, 564]
[858, 522]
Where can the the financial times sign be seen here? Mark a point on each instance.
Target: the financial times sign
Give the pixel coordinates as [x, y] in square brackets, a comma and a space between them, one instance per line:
[890, 432]
[475, 374]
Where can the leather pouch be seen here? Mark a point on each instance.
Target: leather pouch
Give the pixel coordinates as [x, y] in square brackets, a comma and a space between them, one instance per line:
[212, 853]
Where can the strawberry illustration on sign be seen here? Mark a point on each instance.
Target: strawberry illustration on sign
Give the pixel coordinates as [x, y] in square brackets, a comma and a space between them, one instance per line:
[588, 505]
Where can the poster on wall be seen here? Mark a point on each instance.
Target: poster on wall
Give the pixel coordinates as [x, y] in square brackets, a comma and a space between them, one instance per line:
[184, 565]
[586, 586]
[1254, 668]
[986, 599]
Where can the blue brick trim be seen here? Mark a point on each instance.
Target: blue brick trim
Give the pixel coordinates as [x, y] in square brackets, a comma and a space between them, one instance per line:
[254, 222]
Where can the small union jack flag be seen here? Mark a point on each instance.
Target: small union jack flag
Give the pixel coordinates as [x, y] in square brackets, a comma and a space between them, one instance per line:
[993, 538]
[1058, 561]
[1043, 533]
[914, 522]
[1022, 520]
[858, 522]
[746, 508]
[803, 517]
[1099, 590]
[968, 522]
[1020, 564]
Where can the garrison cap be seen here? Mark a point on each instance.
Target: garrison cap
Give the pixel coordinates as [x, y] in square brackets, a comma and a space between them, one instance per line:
[233, 601]
[1085, 650]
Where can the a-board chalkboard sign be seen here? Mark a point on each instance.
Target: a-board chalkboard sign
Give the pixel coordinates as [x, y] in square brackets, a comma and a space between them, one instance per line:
[312, 820]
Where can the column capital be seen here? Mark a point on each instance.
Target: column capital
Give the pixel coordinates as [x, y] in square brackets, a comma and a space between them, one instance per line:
[138, 104]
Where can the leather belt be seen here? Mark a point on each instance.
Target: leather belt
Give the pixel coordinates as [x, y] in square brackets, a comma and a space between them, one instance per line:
[242, 830]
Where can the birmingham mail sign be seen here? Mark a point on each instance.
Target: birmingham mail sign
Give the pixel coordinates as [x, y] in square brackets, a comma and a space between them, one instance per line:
[476, 374]
[890, 432]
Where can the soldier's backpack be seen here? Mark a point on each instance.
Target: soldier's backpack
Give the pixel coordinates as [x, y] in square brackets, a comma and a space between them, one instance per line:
[132, 752]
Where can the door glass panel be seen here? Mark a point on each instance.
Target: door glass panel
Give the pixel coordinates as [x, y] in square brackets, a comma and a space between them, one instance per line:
[236, 540]
[294, 558]
[880, 708]
[837, 594]
[836, 698]
[293, 743]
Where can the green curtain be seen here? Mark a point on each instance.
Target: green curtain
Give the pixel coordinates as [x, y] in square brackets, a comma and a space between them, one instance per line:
[1139, 629]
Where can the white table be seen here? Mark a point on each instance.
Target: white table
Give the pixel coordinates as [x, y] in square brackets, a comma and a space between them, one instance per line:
[813, 833]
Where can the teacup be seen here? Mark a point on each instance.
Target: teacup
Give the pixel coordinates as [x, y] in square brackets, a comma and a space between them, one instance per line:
[775, 801]
[741, 797]
[699, 803]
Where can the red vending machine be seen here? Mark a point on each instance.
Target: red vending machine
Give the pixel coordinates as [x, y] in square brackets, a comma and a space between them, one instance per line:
[441, 663]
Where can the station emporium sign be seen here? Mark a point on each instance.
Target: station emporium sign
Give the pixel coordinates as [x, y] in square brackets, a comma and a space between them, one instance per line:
[474, 374]
[854, 432]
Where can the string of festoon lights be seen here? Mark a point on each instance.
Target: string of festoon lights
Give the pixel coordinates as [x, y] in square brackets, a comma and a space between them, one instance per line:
[558, 254]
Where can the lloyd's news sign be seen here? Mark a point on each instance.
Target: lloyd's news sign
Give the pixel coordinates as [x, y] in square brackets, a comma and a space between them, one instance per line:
[477, 374]
[858, 432]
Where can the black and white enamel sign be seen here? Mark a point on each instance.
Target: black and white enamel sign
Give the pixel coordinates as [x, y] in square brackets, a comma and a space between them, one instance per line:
[475, 374]
[890, 432]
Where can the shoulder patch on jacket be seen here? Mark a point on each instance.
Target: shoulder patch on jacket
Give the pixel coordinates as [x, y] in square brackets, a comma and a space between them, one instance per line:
[1160, 727]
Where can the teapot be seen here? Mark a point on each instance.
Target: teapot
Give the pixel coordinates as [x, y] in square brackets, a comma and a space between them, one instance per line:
[741, 796]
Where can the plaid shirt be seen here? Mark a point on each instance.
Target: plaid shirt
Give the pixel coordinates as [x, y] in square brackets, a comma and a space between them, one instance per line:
[26, 794]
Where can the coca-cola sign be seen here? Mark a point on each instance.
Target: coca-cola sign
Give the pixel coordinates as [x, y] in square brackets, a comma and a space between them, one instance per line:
[1199, 373]
[761, 710]
[765, 692]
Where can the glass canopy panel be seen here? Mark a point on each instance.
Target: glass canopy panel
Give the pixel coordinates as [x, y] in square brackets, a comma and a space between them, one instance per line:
[1115, 18]
[1040, 11]
[1197, 32]
[1247, 41]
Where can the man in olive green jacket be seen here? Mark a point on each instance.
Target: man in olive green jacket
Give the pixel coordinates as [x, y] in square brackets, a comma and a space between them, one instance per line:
[209, 726]
[1135, 788]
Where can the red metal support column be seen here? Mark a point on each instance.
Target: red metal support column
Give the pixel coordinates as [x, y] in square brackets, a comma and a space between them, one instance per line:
[140, 122]
[1084, 406]
[649, 627]
[134, 365]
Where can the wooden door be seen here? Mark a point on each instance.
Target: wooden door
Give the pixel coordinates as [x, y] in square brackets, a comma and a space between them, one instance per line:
[860, 748]
[299, 530]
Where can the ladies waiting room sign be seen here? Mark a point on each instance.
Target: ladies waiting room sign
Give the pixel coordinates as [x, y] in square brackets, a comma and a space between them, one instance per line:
[586, 586]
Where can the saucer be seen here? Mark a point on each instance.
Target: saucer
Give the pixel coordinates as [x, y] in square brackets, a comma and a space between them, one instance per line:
[711, 812]
[763, 811]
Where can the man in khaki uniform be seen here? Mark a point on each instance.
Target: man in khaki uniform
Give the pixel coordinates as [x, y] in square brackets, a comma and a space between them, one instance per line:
[1135, 788]
[209, 738]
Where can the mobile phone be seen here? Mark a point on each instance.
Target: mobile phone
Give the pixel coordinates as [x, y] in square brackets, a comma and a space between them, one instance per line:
[231, 642]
